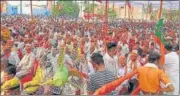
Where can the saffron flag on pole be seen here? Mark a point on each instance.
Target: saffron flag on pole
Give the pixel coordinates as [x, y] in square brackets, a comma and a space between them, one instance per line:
[159, 39]
[159, 35]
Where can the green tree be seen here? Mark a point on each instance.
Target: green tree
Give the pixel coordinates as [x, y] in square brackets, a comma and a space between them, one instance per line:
[89, 8]
[111, 13]
[100, 11]
[69, 9]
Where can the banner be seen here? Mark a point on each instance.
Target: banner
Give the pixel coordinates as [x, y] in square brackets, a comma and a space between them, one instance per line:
[3, 6]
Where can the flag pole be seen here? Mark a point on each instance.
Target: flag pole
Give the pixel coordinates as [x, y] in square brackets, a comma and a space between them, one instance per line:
[179, 23]
[31, 9]
[93, 12]
[147, 10]
[21, 7]
[162, 59]
[125, 10]
[106, 18]
[128, 10]
[160, 12]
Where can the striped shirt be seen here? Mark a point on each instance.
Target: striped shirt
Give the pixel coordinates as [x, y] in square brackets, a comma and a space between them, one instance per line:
[99, 79]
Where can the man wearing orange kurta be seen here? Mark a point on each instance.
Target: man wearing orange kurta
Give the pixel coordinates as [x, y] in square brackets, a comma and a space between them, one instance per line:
[150, 77]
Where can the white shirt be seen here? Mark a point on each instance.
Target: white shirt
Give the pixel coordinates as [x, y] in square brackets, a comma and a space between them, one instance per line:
[122, 71]
[14, 58]
[39, 52]
[172, 69]
[125, 49]
[27, 61]
[100, 45]
[111, 63]
[172, 63]
[20, 45]
[90, 68]
[87, 47]
[68, 61]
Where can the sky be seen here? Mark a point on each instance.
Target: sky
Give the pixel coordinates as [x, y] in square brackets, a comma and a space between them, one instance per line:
[166, 4]
[27, 2]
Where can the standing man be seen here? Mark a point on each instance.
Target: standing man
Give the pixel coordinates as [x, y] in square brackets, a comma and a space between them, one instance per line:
[172, 66]
[87, 46]
[101, 76]
[149, 78]
[110, 58]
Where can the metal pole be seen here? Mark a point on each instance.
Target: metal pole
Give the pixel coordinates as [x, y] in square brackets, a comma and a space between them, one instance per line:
[179, 26]
[93, 12]
[106, 17]
[179, 31]
[125, 10]
[119, 11]
[31, 10]
[21, 7]
[142, 15]
[128, 10]
[147, 10]
[88, 16]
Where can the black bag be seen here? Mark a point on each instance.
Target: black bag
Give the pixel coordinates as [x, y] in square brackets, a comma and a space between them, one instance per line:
[132, 85]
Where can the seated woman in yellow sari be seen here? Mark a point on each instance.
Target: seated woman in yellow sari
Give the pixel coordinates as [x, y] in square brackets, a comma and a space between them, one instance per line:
[42, 74]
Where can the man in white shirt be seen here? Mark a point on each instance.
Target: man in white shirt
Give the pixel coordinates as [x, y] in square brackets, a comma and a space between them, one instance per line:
[26, 63]
[87, 46]
[100, 45]
[125, 48]
[123, 70]
[110, 58]
[172, 67]
[93, 49]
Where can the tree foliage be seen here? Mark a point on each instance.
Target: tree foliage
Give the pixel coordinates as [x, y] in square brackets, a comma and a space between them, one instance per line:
[68, 9]
[89, 8]
[171, 15]
[111, 13]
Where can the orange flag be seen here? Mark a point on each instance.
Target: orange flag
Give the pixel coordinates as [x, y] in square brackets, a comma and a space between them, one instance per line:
[112, 85]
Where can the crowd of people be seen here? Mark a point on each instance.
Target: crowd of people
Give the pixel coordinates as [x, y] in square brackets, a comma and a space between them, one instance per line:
[30, 50]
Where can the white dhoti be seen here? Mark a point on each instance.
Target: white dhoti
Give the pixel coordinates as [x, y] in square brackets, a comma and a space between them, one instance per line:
[175, 82]
[21, 73]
